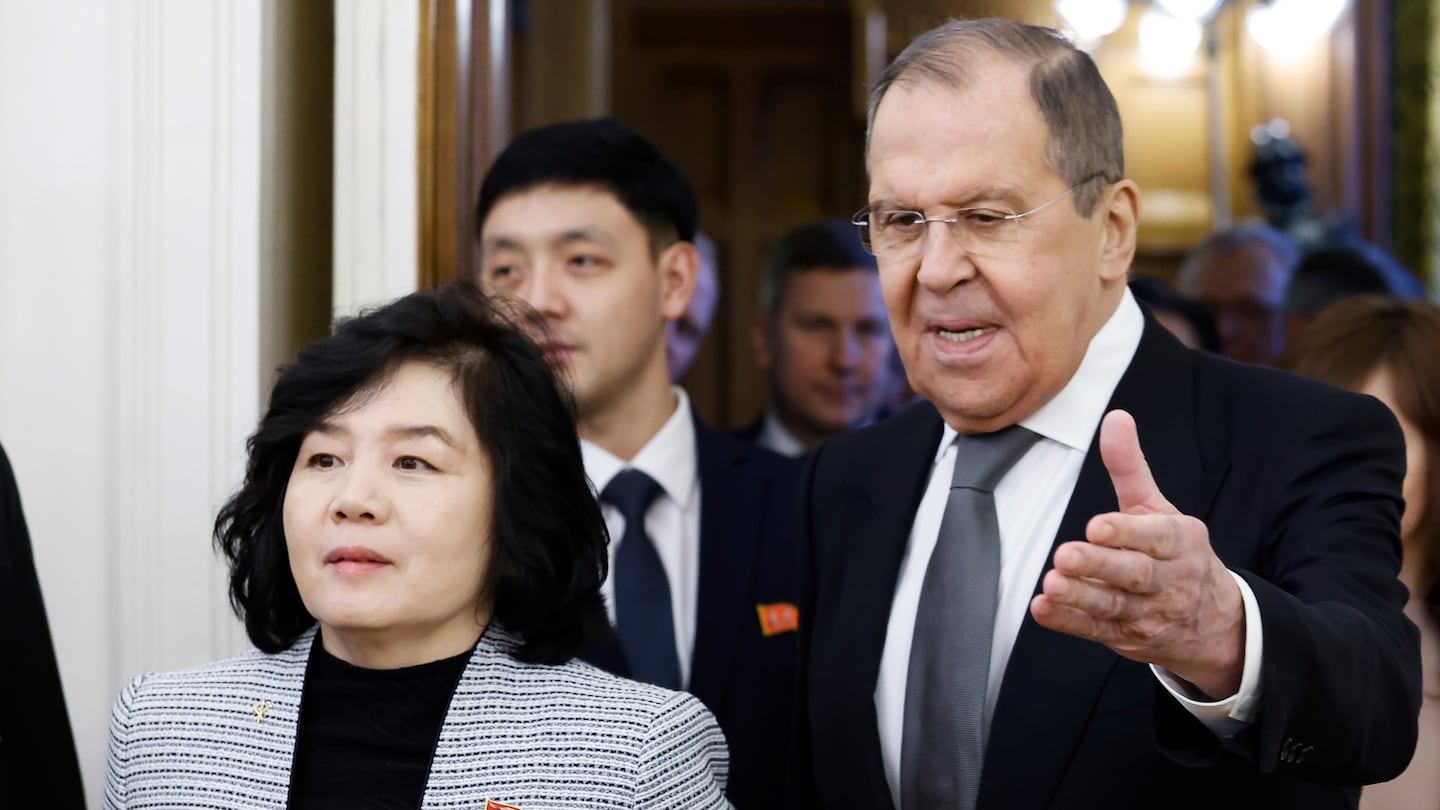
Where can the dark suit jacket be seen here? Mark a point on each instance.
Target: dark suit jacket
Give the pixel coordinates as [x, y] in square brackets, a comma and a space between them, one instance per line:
[1299, 485]
[38, 767]
[751, 431]
[749, 556]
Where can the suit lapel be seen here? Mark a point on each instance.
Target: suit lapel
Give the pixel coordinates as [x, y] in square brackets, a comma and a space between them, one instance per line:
[733, 506]
[281, 707]
[1052, 680]
[879, 502]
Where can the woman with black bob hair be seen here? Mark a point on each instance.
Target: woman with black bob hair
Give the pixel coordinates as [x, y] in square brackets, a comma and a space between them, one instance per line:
[417, 555]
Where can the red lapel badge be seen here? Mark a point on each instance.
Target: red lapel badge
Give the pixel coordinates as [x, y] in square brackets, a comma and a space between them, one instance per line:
[491, 804]
[778, 617]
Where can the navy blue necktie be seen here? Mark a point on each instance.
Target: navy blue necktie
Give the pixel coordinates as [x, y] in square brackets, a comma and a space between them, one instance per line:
[643, 615]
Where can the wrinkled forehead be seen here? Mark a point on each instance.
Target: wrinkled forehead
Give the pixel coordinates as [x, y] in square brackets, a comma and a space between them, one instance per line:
[959, 67]
[933, 143]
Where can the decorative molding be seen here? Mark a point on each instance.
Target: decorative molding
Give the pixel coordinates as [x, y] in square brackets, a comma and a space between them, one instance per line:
[376, 177]
[185, 349]
[129, 328]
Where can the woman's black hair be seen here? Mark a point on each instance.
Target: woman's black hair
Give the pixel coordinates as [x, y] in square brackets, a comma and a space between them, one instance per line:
[549, 539]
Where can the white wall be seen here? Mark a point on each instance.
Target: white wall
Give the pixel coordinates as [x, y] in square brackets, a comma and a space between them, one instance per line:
[376, 172]
[129, 200]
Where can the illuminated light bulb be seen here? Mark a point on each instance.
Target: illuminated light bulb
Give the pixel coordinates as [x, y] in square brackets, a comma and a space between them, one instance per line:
[1290, 29]
[1167, 44]
[1092, 19]
[1193, 10]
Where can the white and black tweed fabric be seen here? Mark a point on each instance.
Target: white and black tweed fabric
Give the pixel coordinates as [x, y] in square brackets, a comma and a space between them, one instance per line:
[532, 736]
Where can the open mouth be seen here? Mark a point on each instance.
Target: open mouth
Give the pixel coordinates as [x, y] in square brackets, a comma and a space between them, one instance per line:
[963, 335]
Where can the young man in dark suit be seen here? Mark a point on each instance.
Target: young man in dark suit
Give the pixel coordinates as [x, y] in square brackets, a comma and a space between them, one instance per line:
[590, 226]
[1231, 635]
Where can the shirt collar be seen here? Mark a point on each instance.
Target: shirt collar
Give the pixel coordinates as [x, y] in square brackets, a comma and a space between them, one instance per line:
[775, 437]
[1072, 416]
[669, 457]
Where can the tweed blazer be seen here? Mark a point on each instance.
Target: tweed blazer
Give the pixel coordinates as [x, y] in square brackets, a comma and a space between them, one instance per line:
[529, 736]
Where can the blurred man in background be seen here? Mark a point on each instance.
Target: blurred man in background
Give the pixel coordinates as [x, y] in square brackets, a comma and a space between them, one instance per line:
[1240, 275]
[685, 334]
[822, 339]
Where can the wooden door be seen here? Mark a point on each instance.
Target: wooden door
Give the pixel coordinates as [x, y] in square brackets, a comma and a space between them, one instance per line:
[755, 103]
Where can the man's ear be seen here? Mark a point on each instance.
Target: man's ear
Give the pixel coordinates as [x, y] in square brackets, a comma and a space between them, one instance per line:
[679, 267]
[1121, 210]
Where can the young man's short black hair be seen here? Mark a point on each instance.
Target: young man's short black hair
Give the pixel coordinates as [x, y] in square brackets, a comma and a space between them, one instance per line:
[826, 244]
[548, 540]
[601, 153]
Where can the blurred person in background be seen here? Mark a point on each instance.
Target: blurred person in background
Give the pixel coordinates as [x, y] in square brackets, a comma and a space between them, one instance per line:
[417, 557]
[1187, 320]
[822, 339]
[1331, 274]
[38, 767]
[1390, 350]
[685, 335]
[1240, 276]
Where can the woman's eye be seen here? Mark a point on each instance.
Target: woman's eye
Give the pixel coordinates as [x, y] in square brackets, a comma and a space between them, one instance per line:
[322, 461]
[412, 464]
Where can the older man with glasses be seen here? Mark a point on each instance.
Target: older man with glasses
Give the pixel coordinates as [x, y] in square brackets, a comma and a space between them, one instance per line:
[1010, 604]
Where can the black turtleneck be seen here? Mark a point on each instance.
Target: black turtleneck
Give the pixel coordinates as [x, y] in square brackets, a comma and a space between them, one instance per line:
[367, 736]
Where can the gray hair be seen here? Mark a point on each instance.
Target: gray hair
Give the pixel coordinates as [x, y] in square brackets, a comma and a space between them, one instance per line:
[1220, 243]
[1084, 136]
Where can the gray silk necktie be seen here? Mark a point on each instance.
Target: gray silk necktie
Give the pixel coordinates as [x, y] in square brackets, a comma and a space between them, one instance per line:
[943, 747]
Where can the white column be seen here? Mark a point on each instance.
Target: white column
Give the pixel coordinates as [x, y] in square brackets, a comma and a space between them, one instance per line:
[376, 176]
[129, 255]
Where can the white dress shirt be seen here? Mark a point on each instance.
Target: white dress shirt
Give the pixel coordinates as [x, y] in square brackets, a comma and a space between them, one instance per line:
[673, 521]
[1030, 502]
[777, 439]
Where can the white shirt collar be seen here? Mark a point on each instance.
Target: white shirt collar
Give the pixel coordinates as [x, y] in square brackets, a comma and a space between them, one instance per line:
[775, 437]
[669, 457]
[1072, 416]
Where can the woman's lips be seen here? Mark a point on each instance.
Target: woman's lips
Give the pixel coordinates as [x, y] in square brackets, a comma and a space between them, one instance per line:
[557, 353]
[356, 560]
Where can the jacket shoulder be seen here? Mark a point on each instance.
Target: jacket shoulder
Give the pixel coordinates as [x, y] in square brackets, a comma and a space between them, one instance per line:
[1280, 403]
[717, 449]
[919, 422]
